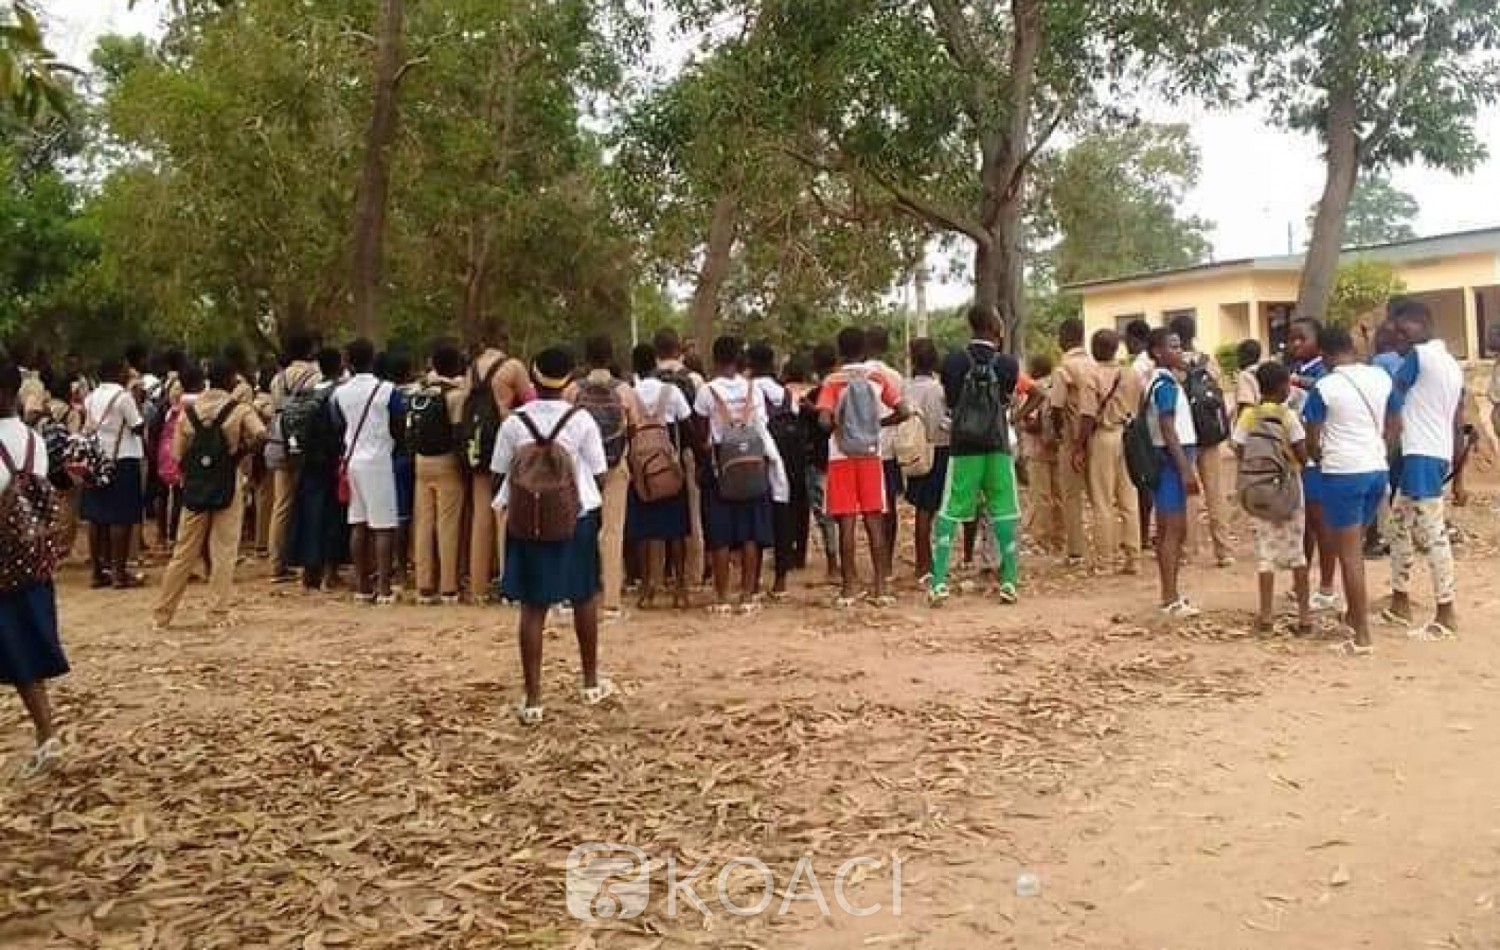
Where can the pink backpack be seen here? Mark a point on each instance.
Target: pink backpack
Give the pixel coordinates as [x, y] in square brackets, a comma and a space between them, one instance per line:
[168, 469]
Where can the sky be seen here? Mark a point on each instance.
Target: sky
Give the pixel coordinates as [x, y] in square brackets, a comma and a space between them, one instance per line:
[1257, 181]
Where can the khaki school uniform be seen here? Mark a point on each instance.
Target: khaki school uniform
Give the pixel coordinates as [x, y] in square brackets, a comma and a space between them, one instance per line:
[1068, 382]
[487, 524]
[1110, 397]
[215, 534]
[1044, 522]
[298, 375]
[437, 515]
[616, 498]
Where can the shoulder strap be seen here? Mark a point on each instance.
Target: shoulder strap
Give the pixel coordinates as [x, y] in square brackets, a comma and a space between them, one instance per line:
[223, 417]
[1119, 375]
[561, 424]
[525, 417]
[10, 465]
[358, 429]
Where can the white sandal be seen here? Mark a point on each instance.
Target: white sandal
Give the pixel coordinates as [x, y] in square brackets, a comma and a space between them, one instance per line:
[1433, 632]
[528, 715]
[594, 695]
[43, 760]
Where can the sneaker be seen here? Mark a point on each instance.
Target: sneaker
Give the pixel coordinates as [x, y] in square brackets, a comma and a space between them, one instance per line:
[449, 600]
[1008, 594]
[1322, 601]
[1180, 609]
[938, 596]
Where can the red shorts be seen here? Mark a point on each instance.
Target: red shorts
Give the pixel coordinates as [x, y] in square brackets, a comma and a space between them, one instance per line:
[855, 487]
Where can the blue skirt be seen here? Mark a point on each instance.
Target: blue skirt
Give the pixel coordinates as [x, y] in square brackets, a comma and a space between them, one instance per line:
[734, 524]
[30, 651]
[926, 492]
[543, 573]
[318, 536]
[122, 501]
[406, 486]
[665, 520]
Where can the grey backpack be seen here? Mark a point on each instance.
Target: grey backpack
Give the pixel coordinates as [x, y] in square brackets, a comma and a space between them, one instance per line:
[740, 455]
[857, 419]
[1269, 485]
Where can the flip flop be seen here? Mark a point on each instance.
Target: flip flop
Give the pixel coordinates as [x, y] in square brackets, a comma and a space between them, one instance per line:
[1350, 648]
[42, 761]
[1390, 618]
[845, 603]
[528, 715]
[1433, 632]
[594, 695]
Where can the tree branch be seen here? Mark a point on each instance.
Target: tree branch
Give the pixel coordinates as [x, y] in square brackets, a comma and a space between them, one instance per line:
[1408, 74]
[959, 41]
[407, 67]
[1018, 173]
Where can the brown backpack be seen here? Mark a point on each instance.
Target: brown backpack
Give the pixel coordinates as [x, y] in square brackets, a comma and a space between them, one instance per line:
[655, 465]
[28, 524]
[544, 503]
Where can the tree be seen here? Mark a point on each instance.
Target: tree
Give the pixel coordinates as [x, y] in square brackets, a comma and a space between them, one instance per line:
[32, 80]
[1379, 213]
[375, 176]
[1382, 83]
[1360, 287]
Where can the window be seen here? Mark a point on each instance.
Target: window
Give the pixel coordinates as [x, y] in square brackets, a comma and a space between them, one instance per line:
[1167, 316]
[1123, 321]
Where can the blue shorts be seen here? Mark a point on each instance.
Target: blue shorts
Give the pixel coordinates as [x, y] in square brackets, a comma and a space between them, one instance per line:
[1170, 497]
[1421, 477]
[1352, 501]
[1312, 486]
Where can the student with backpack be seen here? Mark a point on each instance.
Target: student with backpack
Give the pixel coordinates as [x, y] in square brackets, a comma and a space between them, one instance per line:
[656, 521]
[1170, 421]
[1307, 365]
[291, 402]
[318, 541]
[1345, 414]
[743, 480]
[825, 360]
[877, 346]
[31, 651]
[1271, 445]
[671, 368]
[1109, 400]
[928, 475]
[213, 435]
[794, 441]
[1044, 521]
[856, 404]
[979, 383]
[612, 404]
[373, 415]
[550, 460]
[191, 384]
[433, 433]
[61, 421]
[786, 431]
[1429, 396]
[107, 458]
[497, 384]
[1203, 382]
[1068, 381]
[395, 367]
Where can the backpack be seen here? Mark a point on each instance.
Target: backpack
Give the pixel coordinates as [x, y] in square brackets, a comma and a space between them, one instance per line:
[740, 456]
[787, 431]
[683, 380]
[857, 418]
[914, 453]
[210, 472]
[544, 502]
[1206, 403]
[55, 436]
[1269, 485]
[85, 460]
[482, 417]
[980, 417]
[292, 426]
[168, 467]
[603, 402]
[1142, 459]
[28, 524]
[654, 460]
[429, 428]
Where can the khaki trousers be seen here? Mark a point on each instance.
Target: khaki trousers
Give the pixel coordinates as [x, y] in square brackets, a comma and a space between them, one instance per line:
[612, 536]
[486, 538]
[1113, 496]
[1216, 499]
[284, 492]
[265, 505]
[1073, 492]
[214, 534]
[1043, 509]
[437, 522]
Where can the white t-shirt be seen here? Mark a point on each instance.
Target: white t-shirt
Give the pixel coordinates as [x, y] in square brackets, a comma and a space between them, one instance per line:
[13, 433]
[580, 437]
[1165, 394]
[648, 393]
[123, 415]
[1351, 404]
[1144, 366]
[772, 393]
[375, 445]
[1432, 386]
[733, 392]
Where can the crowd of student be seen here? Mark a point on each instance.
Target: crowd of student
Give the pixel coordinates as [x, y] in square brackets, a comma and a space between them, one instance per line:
[553, 484]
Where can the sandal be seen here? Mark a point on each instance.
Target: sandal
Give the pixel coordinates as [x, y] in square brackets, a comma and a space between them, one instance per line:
[720, 610]
[845, 603]
[1350, 648]
[882, 602]
[938, 596]
[43, 760]
[1180, 609]
[1008, 594]
[1433, 632]
[751, 606]
[1392, 619]
[528, 715]
[594, 695]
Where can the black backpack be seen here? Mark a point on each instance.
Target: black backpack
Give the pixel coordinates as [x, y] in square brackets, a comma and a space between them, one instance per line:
[210, 472]
[789, 434]
[683, 380]
[429, 429]
[980, 420]
[1206, 402]
[296, 420]
[482, 418]
[1141, 456]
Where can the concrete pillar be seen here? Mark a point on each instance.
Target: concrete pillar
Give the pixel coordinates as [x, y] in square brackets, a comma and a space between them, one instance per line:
[1472, 349]
[1258, 328]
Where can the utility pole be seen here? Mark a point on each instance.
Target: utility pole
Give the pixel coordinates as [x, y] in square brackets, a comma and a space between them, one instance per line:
[920, 279]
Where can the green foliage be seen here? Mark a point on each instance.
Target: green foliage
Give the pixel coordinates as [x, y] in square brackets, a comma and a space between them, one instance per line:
[1360, 287]
[1228, 357]
[1379, 213]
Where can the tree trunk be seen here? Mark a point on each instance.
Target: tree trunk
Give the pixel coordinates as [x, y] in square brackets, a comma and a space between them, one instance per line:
[1320, 269]
[375, 179]
[715, 269]
[471, 314]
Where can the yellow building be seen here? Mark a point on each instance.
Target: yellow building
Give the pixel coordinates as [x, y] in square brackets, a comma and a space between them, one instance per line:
[1458, 275]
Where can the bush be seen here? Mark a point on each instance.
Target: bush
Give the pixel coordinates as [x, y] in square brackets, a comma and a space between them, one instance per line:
[1228, 357]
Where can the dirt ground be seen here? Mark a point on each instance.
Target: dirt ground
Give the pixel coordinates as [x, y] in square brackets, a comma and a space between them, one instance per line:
[323, 775]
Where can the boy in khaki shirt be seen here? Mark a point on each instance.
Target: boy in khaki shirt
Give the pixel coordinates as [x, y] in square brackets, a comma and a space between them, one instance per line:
[1110, 396]
[442, 484]
[1074, 373]
[214, 535]
[509, 386]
